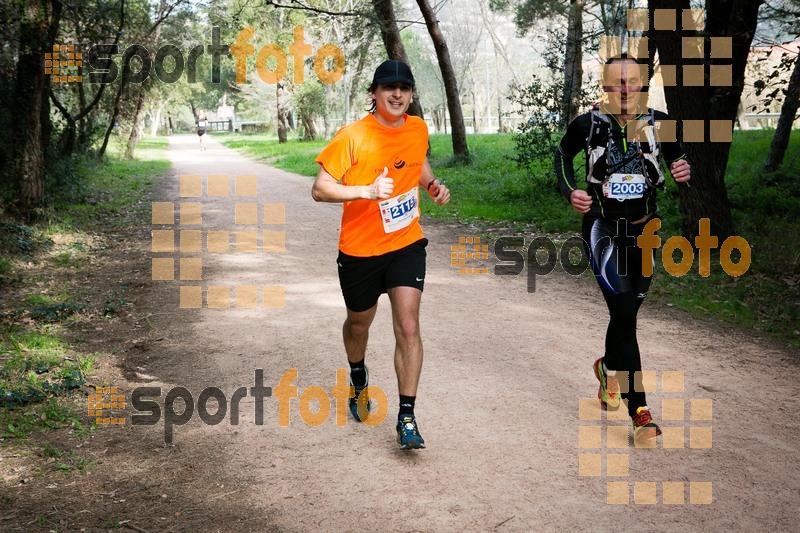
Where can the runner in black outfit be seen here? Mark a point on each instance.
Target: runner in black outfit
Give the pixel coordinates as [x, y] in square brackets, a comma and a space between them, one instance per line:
[622, 174]
[202, 124]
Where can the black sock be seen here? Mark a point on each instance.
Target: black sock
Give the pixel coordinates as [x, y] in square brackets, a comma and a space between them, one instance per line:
[406, 406]
[358, 373]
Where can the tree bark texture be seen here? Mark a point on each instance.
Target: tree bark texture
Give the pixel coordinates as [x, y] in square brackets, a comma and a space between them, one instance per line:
[281, 112]
[117, 108]
[138, 121]
[459, 132]
[706, 195]
[309, 128]
[32, 93]
[573, 63]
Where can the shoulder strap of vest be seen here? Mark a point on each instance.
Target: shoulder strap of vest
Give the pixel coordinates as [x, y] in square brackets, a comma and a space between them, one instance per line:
[598, 120]
[655, 143]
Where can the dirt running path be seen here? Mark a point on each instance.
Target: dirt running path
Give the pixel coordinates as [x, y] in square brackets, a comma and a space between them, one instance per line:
[498, 405]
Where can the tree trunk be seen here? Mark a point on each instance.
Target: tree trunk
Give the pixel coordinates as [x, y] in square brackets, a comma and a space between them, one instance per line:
[69, 136]
[501, 127]
[309, 128]
[138, 121]
[47, 121]
[31, 92]
[475, 128]
[157, 119]
[83, 133]
[126, 60]
[326, 112]
[499, 49]
[459, 135]
[444, 110]
[390, 34]
[281, 112]
[355, 88]
[573, 63]
[780, 140]
[706, 195]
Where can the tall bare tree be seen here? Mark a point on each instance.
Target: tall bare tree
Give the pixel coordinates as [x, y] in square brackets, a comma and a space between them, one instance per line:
[573, 62]
[282, 111]
[164, 9]
[459, 132]
[38, 28]
[529, 12]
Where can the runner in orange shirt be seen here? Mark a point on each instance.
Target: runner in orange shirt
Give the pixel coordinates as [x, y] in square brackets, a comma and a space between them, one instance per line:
[375, 167]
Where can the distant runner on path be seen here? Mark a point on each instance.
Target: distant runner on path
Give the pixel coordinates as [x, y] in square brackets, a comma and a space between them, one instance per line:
[202, 126]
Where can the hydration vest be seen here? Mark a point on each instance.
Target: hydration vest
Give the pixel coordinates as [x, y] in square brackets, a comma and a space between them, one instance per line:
[605, 156]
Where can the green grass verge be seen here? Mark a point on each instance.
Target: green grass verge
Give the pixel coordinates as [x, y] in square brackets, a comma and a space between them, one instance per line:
[492, 189]
[293, 156]
[766, 212]
[112, 193]
[39, 368]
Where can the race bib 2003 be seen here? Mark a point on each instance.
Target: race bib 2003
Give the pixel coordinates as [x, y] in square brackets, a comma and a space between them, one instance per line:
[398, 212]
[624, 186]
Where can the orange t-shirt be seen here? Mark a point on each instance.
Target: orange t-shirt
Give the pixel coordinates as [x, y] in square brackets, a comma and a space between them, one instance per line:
[356, 156]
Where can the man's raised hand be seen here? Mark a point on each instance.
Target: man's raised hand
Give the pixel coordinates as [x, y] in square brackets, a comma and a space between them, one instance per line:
[381, 188]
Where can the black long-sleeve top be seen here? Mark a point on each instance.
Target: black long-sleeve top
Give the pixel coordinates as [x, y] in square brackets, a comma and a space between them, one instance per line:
[625, 161]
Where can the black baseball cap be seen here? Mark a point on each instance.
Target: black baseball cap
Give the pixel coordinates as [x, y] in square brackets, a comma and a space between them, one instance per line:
[393, 71]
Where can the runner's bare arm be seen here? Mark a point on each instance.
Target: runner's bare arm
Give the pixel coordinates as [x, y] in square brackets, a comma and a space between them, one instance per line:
[327, 189]
[437, 190]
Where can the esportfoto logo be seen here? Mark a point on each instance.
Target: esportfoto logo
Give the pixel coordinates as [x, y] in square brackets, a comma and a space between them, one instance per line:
[169, 62]
[542, 254]
[213, 405]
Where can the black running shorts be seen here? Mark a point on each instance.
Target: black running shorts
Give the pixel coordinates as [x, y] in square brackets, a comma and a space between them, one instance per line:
[201, 132]
[364, 279]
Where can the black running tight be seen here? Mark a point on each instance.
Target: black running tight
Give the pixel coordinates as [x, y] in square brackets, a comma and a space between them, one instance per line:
[617, 265]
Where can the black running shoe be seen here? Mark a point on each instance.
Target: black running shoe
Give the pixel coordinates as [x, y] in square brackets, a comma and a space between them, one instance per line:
[353, 402]
[408, 436]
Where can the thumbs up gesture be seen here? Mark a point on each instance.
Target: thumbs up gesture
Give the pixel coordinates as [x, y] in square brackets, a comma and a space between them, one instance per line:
[382, 187]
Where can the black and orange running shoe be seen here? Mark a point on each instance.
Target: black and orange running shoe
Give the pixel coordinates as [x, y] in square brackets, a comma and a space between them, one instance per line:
[608, 393]
[643, 426]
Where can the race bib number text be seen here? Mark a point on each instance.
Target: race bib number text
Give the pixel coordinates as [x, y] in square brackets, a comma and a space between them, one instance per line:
[398, 212]
[624, 187]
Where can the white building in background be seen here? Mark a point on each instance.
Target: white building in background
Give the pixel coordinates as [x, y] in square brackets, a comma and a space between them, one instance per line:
[763, 61]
